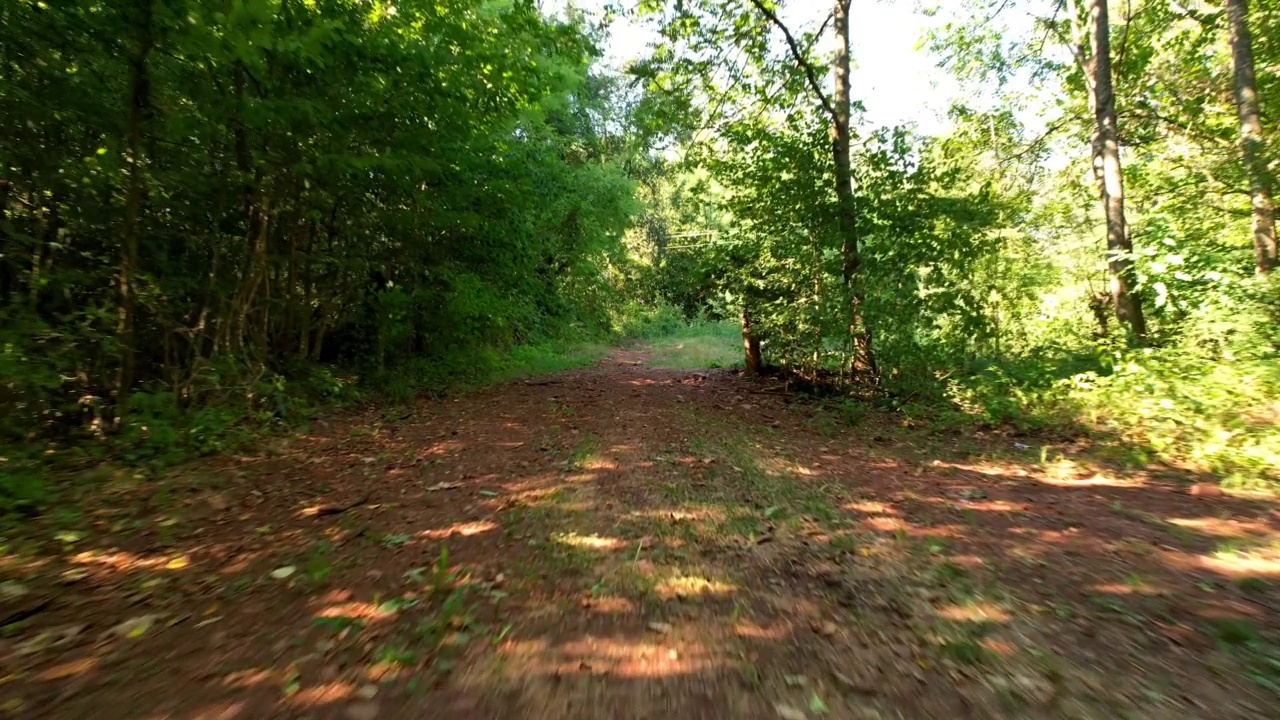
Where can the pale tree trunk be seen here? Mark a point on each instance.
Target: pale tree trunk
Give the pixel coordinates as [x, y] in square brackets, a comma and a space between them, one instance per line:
[1097, 69]
[1252, 143]
[139, 108]
[864, 357]
[750, 345]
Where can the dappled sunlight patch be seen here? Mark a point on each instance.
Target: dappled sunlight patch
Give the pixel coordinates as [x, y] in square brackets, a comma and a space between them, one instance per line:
[598, 463]
[683, 513]
[976, 612]
[1001, 506]
[548, 491]
[1224, 528]
[1234, 565]
[612, 605]
[1242, 564]
[885, 523]
[990, 468]
[630, 659]
[127, 562]
[588, 542]
[320, 695]
[774, 466]
[616, 657]
[582, 477]
[871, 507]
[755, 631]
[465, 529]
[1096, 480]
[692, 585]
[356, 610]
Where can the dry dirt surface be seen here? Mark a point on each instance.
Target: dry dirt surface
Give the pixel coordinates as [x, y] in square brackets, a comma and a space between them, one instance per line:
[626, 541]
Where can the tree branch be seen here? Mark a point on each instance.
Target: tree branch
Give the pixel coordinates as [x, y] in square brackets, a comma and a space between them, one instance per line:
[809, 73]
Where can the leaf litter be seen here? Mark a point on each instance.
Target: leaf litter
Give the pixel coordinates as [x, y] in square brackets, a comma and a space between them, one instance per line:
[855, 575]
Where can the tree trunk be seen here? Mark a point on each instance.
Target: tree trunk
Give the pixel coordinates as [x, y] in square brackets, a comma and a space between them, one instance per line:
[864, 357]
[139, 107]
[750, 345]
[1252, 144]
[1127, 307]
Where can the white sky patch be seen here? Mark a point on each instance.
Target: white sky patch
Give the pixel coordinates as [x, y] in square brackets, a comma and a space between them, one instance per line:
[897, 80]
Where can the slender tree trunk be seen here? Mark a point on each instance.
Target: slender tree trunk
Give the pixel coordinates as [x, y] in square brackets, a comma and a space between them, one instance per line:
[139, 108]
[750, 345]
[1123, 278]
[1252, 143]
[864, 356]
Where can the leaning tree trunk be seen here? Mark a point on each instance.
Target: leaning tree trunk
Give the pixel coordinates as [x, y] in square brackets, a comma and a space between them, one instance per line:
[1252, 143]
[863, 354]
[1123, 278]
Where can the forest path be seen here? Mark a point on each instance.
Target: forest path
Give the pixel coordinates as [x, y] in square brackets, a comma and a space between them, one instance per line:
[631, 541]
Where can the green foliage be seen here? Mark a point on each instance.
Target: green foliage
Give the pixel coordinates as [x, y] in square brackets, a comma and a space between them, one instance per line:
[981, 275]
[205, 201]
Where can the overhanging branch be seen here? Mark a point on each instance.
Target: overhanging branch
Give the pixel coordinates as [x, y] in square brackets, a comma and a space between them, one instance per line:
[797, 54]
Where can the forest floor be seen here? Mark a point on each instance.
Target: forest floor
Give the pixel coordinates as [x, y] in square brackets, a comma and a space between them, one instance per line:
[636, 540]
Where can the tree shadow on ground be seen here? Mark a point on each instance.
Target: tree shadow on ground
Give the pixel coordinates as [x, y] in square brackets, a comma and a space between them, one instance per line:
[632, 542]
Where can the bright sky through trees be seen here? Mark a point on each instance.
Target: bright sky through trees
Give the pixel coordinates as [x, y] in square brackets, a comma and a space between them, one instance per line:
[894, 76]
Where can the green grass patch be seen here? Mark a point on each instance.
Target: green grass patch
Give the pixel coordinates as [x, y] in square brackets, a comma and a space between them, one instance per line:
[699, 346]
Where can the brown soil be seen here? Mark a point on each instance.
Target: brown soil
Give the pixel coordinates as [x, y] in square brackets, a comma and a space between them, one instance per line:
[625, 541]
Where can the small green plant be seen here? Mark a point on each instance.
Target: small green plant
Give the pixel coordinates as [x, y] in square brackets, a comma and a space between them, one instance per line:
[319, 564]
[337, 624]
[397, 540]
[395, 655]
[1253, 584]
[964, 651]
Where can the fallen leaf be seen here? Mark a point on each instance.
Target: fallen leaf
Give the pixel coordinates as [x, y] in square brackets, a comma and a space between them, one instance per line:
[135, 627]
[795, 680]
[816, 706]
[444, 486]
[10, 590]
[74, 575]
[660, 627]
[281, 573]
[786, 712]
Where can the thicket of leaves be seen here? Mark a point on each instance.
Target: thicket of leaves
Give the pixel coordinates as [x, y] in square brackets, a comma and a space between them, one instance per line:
[983, 254]
[399, 188]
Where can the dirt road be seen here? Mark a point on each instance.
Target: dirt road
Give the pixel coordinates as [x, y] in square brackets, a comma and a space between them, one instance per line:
[627, 541]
